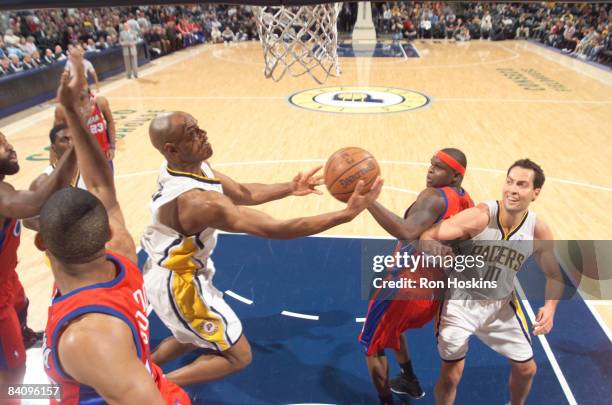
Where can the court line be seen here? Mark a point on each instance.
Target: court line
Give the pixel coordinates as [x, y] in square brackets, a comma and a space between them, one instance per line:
[360, 320]
[446, 99]
[604, 326]
[49, 110]
[597, 316]
[403, 190]
[298, 315]
[522, 100]
[404, 52]
[244, 98]
[239, 297]
[396, 162]
[547, 349]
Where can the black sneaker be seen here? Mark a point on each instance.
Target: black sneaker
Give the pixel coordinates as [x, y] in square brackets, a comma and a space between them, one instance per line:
[31, 338]
[404, 385]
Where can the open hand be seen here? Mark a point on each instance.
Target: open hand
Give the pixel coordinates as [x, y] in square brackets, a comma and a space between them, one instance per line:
[306, 183]
[361, 199]
[70, 88]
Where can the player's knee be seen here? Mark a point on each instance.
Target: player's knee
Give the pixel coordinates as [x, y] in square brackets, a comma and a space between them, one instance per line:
[525, 370]
[243, 360]
[451, 374]
[241, 355]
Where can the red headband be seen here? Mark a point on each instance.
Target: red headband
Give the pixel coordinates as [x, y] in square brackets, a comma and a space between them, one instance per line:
[450, 161]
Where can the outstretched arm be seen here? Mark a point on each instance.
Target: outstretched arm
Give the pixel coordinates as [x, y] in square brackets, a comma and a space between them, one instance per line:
[98, 350]
[427, 208]
[201, 209]
[466, 224]
[555, 284]
[303, 183]
[94, 168]
[27, 203]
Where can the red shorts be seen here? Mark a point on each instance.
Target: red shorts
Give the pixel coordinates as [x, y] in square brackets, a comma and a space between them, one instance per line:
[12, 351]
[391, 313]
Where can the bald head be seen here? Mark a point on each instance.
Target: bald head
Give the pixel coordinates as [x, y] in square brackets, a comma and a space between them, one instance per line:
[179, 138]
[166, 127]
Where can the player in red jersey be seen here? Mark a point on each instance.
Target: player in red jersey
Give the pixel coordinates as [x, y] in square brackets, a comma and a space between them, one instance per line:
[100, 121]
[96, 345]
[15, 205]
[390, 315]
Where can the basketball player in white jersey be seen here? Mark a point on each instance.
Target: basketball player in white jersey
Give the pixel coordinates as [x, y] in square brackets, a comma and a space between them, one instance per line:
[60, 140]
[193, 202]
[494, 314]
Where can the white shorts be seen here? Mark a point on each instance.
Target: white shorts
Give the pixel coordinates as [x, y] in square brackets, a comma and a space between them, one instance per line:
[500, 324]
[191, 307]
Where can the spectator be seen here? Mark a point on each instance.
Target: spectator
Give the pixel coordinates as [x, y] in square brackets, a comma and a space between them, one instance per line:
[5, 67]
[59, 54]
[49, 57]
[28, 63]
[102, 45]
[215, 35]
[387, 18]
[128, 39]
[36, 59]
[227, 35]
[10, 38]
[486, 25]
[30, 46]
[90, 46]
[15, 65]
[409, 30]
[425, 27]
[143, 22]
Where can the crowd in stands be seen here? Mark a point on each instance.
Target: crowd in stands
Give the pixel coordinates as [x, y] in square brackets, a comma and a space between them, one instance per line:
[581, 29]
[34, 39]
[38, 38]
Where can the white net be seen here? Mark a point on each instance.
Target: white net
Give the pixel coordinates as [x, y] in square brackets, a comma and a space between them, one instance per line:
[299, 40]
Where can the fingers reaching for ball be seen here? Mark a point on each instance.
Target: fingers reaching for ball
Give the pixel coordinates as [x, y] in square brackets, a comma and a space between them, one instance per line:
[363, 197]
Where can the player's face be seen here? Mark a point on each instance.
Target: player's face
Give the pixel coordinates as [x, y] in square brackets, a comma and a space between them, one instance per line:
[62, 142]
[518, 191]
[195, 141]
[8, 157]
[438, 174]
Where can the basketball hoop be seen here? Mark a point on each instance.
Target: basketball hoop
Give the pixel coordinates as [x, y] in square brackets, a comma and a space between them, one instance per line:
[299, 40]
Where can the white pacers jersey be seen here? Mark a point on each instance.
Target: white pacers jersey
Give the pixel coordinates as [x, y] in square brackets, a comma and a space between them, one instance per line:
[77, 181]
[168, 248]
[503, 254]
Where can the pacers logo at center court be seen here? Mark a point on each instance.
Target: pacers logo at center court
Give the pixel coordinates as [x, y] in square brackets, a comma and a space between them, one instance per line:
[359, 100]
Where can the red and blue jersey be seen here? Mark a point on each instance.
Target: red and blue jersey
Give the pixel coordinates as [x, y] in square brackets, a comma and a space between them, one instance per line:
[96, 122]
[122, 297]
[390, 314]
[455, 200]
[10, 232]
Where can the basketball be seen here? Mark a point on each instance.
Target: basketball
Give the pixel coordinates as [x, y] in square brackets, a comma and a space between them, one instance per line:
[346, 167]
